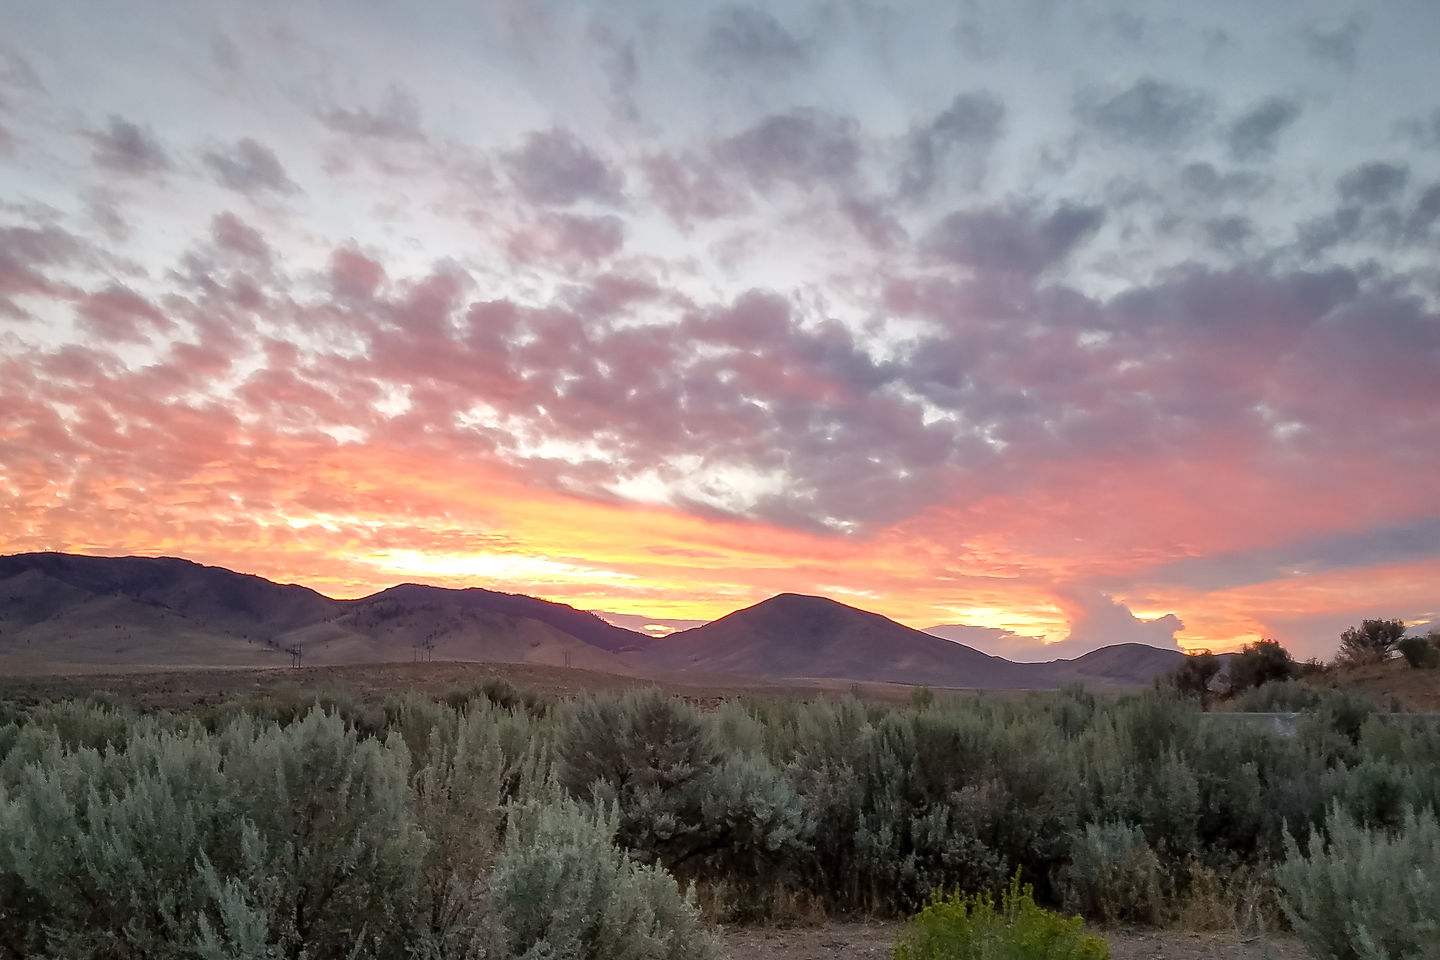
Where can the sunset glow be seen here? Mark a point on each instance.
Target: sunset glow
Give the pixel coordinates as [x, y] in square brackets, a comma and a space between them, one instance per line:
[1058, 323]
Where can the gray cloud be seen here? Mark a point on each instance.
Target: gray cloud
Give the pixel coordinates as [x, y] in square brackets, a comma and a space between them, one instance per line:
[248, 166]
[232, 234]
[1335, 43]
[744, 40]
[555, 167]
[1373, 183]
[801, 147]
[1398, 543]
[1253, 135]
[1013, 239]
[398, 118]
[970, 126]
[128, 148]
[1202, 181]
[1152, 113]
[1426, 213]
[1229, 233]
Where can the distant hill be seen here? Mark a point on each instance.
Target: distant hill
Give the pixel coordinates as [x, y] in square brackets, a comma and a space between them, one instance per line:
[791, 635]
[61, 613]
[580, 624]
[1122, 663]
[798, 636]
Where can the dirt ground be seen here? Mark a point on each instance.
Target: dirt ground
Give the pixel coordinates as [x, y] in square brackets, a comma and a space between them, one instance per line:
[870, 941]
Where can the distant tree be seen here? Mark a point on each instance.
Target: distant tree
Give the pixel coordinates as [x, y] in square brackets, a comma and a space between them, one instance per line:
[1422, 651]
[1193, 677]
[1260, 662]
[1371, 642]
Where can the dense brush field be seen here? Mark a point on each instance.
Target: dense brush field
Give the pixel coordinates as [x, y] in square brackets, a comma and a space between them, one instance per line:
[491, 824]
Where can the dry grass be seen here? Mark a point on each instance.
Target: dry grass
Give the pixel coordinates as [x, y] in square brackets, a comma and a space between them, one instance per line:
[186, 689]
[1415, 690]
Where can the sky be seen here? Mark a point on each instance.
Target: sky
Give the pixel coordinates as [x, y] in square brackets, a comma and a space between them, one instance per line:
[1056, 323]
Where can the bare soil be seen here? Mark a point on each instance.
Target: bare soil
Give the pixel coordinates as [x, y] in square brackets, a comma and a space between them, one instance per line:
[870, 941]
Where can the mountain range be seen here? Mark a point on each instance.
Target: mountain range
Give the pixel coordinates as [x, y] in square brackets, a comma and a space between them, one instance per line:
[63, 613]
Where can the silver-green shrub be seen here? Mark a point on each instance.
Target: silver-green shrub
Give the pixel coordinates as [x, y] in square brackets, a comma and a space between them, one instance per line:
[1114, 876]
[1366, 894]
[563, 891]
[646, 753]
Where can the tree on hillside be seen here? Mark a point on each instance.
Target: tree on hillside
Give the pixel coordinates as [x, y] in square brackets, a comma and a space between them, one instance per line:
[1193, 677]
[1371, 642]
[1422, 651]
[1260, 662]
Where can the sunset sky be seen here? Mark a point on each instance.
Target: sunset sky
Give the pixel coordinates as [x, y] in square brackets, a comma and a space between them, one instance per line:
[1079, 322]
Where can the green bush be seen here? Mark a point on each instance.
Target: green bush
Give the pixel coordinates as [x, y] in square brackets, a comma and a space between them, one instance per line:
[648, 754]
[1277, 696]
[1263, 661]
[956, 927]
[1195, 675]
[563, 891]
[1362, 894]
[1420, 652]
[1114, 876]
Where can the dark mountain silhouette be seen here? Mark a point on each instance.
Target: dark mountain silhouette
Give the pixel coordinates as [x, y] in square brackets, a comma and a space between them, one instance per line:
[220, 598]
[791, 635]
[579, 624]
[1121, 663]
[62, 613]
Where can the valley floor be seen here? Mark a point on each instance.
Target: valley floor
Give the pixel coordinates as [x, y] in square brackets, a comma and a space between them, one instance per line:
[872, 941]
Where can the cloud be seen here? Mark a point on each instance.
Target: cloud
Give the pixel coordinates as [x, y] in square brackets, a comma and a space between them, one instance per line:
[398, 118]
[567, 239]
[1203, 182]
[1013, 239]
[1253, 135]
[995, 641]
[970, 126]
[128, 148]
[1415, 539]
[1376, 182]
[1101, 620]
[118, 314]
[1229, 233]
[1425, 214]
[801, 148]
[249, 167]
[556, 168]
[689, 188]
[354, 276]
[744, 41]
[1152, 113]
[16, 73]
[26, 253]
[1335, 43]
[236, 236]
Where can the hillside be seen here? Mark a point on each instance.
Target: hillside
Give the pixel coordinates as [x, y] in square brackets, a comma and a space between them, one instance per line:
[1121, 663]
[61, 613]
[798, 636]
[64, 613]
[1394, 681]
[580, 624]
